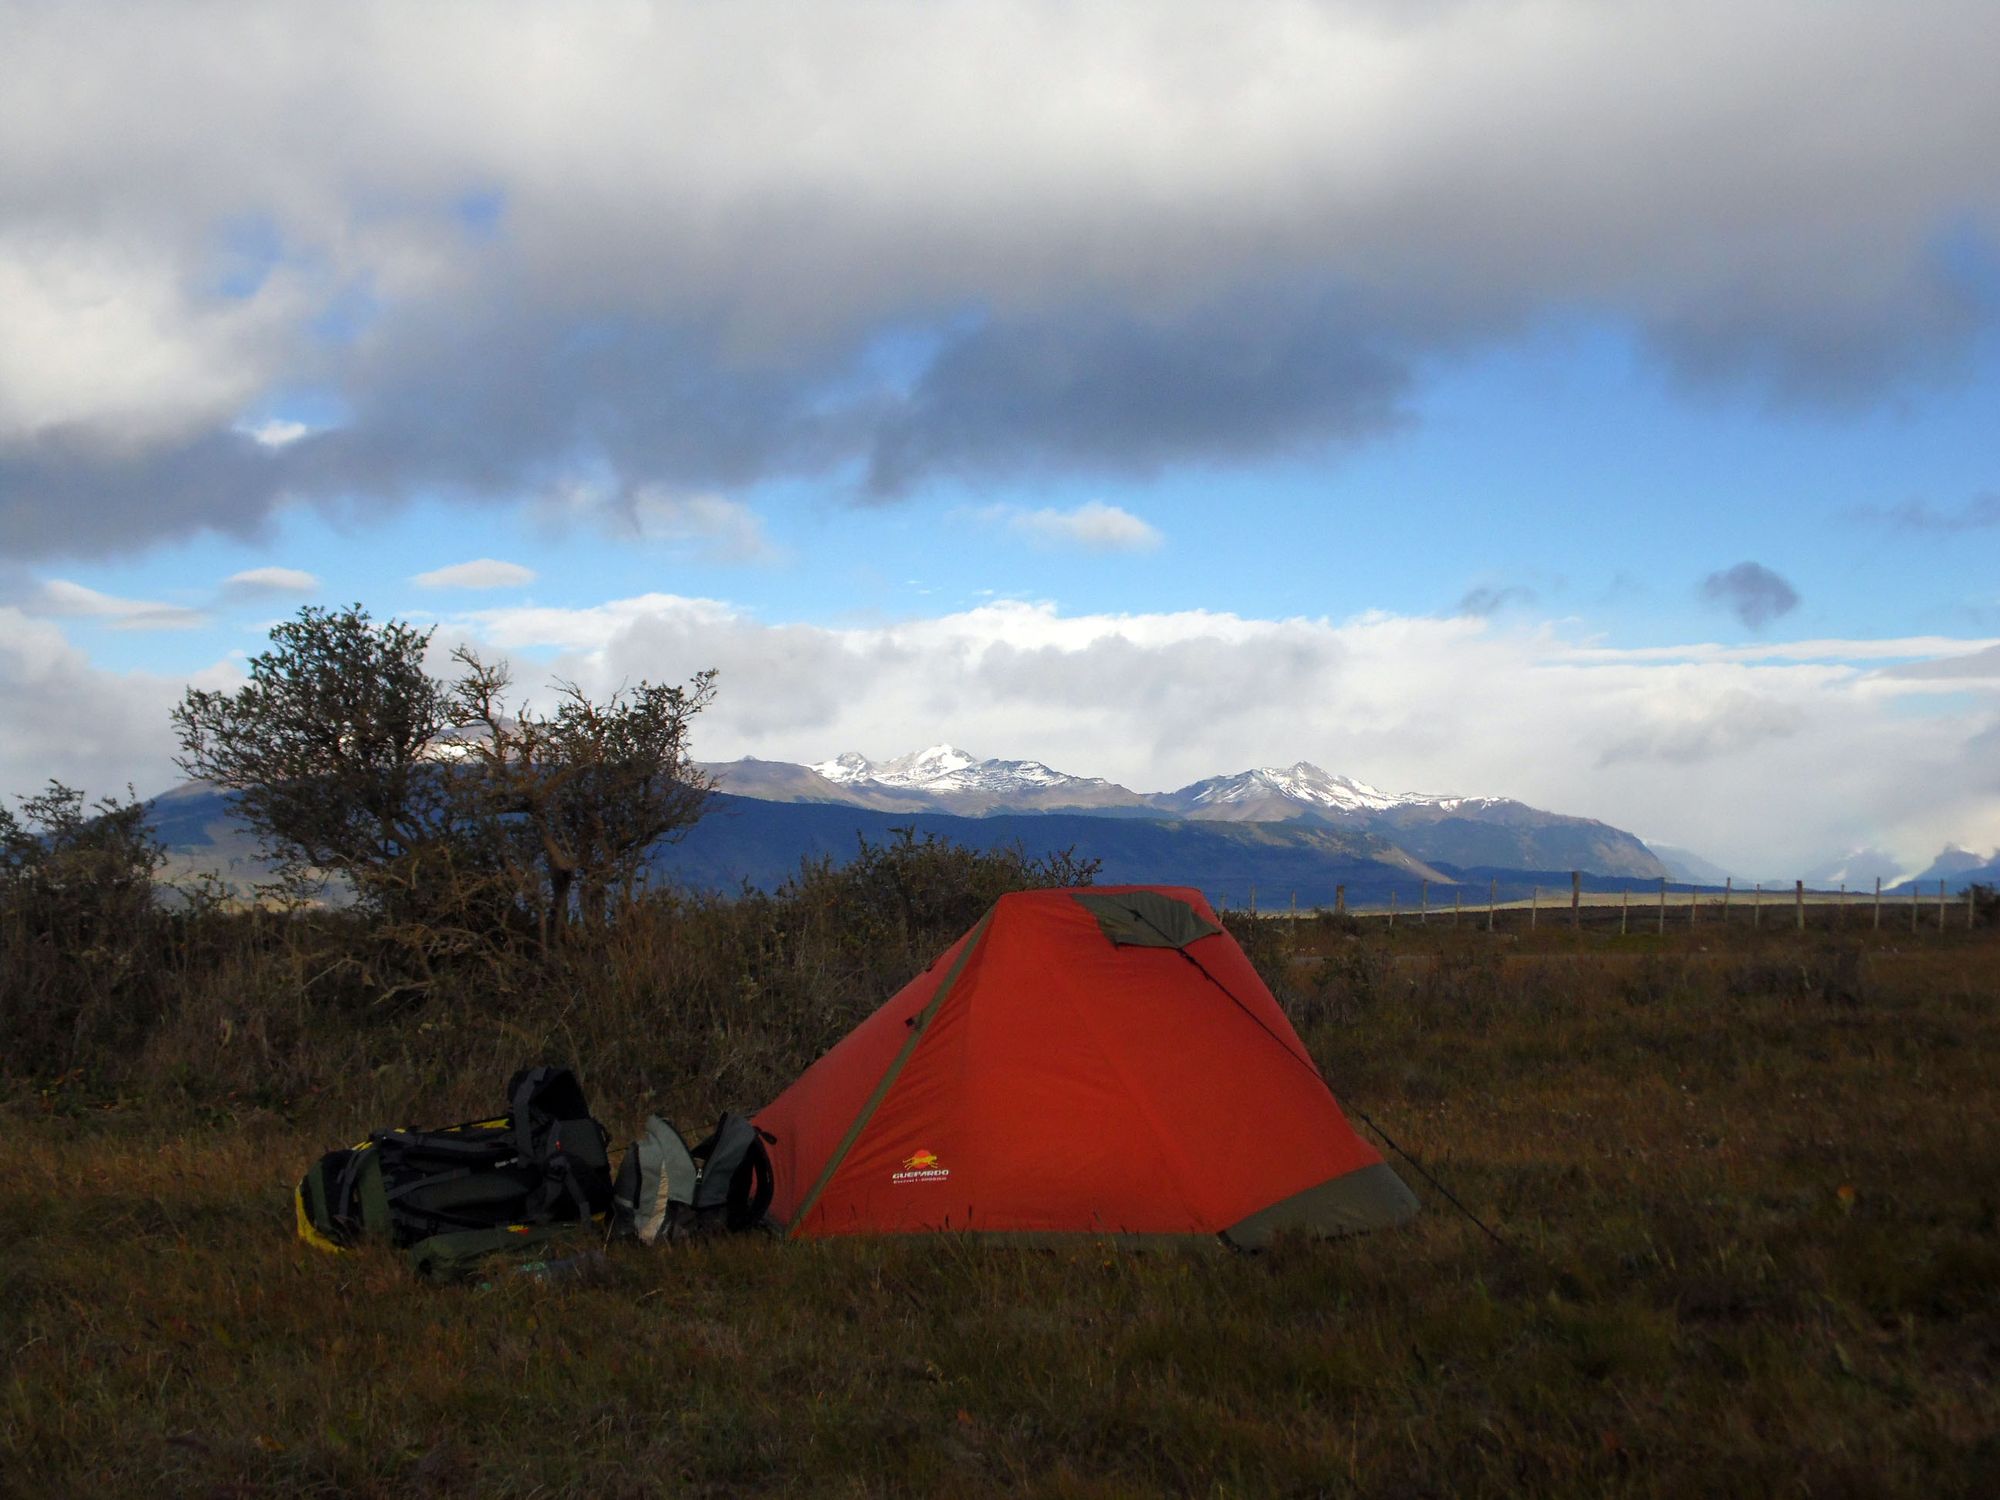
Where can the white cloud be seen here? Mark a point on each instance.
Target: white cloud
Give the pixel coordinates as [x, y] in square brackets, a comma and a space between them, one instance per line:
[1093, 525]
[719, 528]
[101, 336]
[90, 728]
[480, 573]
[586, 631]
[255, 581]
[59, 596]
[1763, 764]
[276, 433]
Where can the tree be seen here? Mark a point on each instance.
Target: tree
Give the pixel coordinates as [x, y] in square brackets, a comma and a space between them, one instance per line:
[329, 749]
[431, 797]
[580, 796]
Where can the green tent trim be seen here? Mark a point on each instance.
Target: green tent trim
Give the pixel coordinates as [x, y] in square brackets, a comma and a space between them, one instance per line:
[1372, 1198]
[1146, 919]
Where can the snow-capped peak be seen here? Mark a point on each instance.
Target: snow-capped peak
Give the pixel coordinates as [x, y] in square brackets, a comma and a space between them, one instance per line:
[1309, 783]
[1306, 782]
[845, 767]
[946, 768]
[923, 768]
[920, 768]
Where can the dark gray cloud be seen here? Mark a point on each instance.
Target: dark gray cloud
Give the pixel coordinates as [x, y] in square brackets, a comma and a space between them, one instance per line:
[1751, 592]
[677, 256]
[1981, 513]
[60, 495]
[1808, 346]
[1252, 375]
[487, 406]
[498, 407]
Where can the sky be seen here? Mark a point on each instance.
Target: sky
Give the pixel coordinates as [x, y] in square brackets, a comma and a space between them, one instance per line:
[1586, 403]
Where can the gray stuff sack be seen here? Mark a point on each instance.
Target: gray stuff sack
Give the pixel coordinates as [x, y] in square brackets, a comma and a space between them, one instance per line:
[654, 1196]
[667, 1190]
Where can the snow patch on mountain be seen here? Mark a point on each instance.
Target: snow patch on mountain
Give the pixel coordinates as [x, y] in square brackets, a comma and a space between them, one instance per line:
[935, 769]
[946, 768]
[843, 768]
[1307, 783]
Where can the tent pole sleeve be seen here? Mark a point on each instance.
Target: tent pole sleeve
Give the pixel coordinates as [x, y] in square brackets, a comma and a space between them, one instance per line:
[917, 1030]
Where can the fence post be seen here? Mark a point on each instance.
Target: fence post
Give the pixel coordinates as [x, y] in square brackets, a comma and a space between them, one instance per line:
[1392, 906]
[1253, 898]
[1424, 898]
[1575, 900]
[1878, 903]
[1340, 900]
[1534, 907]
[1940, 903]
[1799, 902]
[1624, 909]
[1757, 907]
[1663, 906]
[1457, 892]
[1728, 881]
[1492, 899]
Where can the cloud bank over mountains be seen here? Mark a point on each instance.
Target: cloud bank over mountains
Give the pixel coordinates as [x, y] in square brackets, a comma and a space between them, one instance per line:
[1765, 758]
[896, 244]
[1815, 743]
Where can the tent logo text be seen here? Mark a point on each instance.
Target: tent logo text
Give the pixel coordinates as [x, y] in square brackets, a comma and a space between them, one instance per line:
[922, 1166]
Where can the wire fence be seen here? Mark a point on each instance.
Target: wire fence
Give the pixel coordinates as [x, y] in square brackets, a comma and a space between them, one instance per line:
[1638, 909]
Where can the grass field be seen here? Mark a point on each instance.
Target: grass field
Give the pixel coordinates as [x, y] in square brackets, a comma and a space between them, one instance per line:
[1749, 1188]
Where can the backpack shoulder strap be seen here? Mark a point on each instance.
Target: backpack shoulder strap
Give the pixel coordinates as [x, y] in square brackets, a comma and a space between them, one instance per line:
[555, 1134]
[736, 1172]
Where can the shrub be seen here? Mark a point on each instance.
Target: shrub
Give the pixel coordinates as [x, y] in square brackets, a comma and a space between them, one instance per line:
[687, 1002]
[78, 925]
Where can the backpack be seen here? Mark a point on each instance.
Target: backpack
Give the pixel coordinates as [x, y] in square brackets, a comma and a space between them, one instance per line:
[669, 1190]
[453, 1195]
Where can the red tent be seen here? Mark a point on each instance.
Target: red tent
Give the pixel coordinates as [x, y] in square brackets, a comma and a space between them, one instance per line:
[1103, 1061]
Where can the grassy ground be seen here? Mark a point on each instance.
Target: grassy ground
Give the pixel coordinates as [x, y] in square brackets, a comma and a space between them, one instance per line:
[1749, 1190]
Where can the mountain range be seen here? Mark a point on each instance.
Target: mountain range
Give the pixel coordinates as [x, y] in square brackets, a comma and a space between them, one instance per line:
[1278, 834]
[1483, 832]
[756, 842]
[1957, 868]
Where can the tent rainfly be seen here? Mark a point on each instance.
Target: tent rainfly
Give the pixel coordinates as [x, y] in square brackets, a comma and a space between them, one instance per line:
[1097, 1061]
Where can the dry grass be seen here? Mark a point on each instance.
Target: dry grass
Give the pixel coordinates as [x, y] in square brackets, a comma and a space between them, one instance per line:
[1749, 1193]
